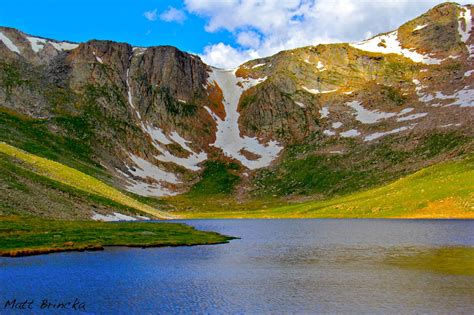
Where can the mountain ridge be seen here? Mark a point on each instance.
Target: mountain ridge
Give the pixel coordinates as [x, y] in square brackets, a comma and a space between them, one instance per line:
[315, 121]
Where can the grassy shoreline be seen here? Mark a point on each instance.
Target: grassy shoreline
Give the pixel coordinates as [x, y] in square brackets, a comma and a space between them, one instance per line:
[26, 236]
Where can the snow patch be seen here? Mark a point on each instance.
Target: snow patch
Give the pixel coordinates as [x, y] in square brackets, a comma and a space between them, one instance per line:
[316, 91]
[412, 117]
[405, 111]
[112, 217]
[336, 124]
[324, 112]
[10, 45]
[377, 135]
[389, 44]
[300, 104]
[462, 98]
[366, 116]
[159, 138]
[320, 66]
[36, 43]
[329, 132]
[63, 45]
[145, 170]
[129, 89]
[258, 65]
[420, 27]
[228, 137]
[465, 30]
[468, 73]
[97, 58]
[350, 133]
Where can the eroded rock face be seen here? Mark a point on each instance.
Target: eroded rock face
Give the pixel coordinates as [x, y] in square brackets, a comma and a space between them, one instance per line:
[154, 115]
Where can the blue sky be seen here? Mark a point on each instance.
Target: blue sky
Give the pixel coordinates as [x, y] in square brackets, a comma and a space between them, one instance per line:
[117, 20]
[224, 33]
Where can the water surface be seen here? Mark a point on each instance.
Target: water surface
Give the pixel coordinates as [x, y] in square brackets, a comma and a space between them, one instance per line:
[279, 266]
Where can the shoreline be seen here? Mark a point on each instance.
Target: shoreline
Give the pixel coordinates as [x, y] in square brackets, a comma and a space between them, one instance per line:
[16, 253]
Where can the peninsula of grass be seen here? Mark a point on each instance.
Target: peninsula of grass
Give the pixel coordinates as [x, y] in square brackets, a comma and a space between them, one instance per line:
[25, 236]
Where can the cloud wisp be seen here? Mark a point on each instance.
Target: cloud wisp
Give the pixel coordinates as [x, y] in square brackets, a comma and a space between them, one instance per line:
[173, 15]
[151, 15]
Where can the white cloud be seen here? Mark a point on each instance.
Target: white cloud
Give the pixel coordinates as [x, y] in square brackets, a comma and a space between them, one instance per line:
[150, 15]
[225, 56]
[173, 15]
[248, 39]
[264, 27]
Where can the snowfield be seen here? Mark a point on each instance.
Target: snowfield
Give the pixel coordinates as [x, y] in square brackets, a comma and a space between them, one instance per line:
[228, 137]
[10, 45]
[389, 44]
[366, 116]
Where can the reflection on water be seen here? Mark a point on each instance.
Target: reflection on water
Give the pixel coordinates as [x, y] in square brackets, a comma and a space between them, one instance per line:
[279, 266]
[454, 260]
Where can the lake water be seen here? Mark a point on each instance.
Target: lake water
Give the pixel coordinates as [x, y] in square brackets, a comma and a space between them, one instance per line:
[279, 266]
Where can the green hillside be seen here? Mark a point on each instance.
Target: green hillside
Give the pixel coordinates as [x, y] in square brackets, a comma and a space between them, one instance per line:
[444, 190]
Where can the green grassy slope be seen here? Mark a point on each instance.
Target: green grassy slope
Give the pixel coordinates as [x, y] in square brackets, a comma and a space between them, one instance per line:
[69, 179]
[444, 190]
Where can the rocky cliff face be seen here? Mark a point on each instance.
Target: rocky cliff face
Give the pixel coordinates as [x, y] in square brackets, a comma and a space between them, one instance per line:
[320, 119]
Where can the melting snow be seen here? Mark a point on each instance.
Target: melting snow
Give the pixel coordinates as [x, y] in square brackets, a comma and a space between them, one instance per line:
[324, 112]
[329, 132]
[420, 27]
[366, 116]
[350, 133]
[462, 98]
[191, 162]
[9, 43]
[300, 104]
[392, 46]
[112, 217]
[336, 124]
[405, 111]
[37, 44]
[412, 117]
[144, 169]
[465, 32]
[468, 73]
[316, 91]
[63, 45]
[259, 65]
[382, 134]
[320, 66]
[449, 125]
[228, 137]
[129, 89]
[97, 57]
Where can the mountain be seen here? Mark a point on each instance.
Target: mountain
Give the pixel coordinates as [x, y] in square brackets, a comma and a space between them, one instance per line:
[306, 124]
